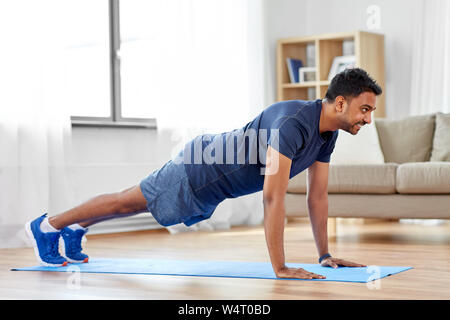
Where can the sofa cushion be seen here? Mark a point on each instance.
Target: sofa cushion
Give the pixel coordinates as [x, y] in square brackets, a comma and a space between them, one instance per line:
[406, 140]
[441, 141]
[365, 179]
[362, 148]
[424, 178]
[298, 183]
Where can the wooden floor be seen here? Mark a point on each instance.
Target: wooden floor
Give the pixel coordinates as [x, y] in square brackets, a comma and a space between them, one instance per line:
[425, 248]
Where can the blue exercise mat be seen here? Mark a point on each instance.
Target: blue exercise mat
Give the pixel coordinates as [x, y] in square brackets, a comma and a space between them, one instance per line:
[227, 269]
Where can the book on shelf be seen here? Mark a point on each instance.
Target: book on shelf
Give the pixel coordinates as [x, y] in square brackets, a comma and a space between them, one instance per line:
[293, 65]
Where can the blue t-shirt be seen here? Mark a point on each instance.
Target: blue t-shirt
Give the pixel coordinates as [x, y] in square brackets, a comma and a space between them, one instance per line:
[231, 164]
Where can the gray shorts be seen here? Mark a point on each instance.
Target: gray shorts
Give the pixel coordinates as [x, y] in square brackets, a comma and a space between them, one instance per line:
[170, 198]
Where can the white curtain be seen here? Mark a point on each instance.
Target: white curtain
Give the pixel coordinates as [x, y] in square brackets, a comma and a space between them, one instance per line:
[34, 125]
[206, 76]
[224, 93]
[430, 82]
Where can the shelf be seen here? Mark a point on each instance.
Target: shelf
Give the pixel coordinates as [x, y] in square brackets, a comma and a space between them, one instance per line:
[305, 84]
[300, 85]
[320, 51]
[327, 36]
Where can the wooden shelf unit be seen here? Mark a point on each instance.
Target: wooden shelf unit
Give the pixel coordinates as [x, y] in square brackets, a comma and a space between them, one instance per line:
[368, 51]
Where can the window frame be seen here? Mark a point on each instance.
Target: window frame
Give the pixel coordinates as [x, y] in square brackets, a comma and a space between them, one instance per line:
[115, 119]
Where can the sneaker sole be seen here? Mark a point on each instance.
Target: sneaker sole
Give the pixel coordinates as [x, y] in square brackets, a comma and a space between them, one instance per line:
[36, 250]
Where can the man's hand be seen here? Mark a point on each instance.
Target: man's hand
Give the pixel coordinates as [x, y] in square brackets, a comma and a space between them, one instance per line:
[335, 262]
[297, 273]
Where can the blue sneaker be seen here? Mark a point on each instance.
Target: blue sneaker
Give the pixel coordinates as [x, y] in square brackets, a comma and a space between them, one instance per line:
[45, 244]
[71, 245]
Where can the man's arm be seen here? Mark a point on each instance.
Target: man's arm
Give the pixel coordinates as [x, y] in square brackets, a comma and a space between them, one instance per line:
[317, 198]
[275, 185]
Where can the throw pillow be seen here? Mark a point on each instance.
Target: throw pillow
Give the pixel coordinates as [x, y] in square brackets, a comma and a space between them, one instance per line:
[406, 140]
[441, 141]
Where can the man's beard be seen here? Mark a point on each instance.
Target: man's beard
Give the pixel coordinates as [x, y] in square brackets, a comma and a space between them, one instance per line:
[352, 128]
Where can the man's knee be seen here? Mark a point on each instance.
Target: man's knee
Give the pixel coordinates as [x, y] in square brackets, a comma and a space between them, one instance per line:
[131, 200]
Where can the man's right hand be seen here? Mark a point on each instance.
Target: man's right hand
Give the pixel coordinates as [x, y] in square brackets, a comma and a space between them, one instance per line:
[297, 273]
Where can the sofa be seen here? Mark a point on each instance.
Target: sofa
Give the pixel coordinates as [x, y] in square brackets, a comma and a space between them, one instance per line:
[392, 169]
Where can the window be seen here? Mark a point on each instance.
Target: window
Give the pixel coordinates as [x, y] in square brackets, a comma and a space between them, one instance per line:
[93, 69]
[185, 63]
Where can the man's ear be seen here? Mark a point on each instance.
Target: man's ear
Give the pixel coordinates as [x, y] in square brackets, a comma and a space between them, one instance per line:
[339, 103]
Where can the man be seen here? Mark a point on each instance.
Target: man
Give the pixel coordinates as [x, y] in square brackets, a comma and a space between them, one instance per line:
[285, 139]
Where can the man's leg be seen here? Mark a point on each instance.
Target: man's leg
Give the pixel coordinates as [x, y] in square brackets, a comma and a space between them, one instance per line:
[107, 206]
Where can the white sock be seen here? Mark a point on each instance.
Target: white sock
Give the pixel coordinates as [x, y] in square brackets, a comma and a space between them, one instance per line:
[76, 226]
[47, 227]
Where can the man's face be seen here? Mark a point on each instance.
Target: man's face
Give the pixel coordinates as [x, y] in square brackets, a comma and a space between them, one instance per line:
[355, 112]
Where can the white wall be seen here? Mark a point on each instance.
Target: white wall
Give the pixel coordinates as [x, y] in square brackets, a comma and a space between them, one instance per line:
[107, 160]
[121, 145]
[287, 18]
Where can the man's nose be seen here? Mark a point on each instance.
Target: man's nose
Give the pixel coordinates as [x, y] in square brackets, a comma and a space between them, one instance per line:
[368, 118]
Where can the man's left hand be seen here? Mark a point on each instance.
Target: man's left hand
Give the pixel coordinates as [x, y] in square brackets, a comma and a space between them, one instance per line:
[335, 262]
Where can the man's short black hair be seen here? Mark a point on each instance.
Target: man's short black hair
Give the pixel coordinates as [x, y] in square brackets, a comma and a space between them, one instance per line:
[351, 83]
